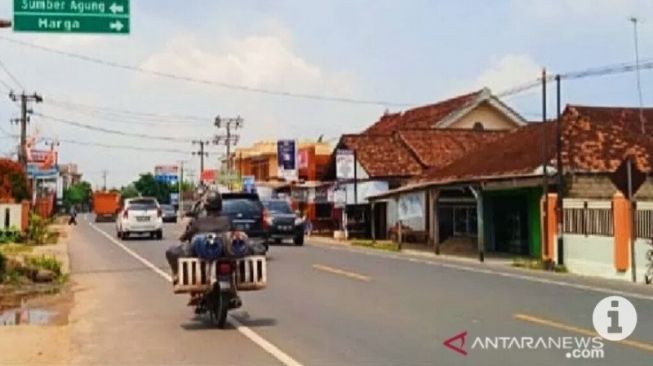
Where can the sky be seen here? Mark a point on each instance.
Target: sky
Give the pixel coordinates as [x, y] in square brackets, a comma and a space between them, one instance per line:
[399, 53]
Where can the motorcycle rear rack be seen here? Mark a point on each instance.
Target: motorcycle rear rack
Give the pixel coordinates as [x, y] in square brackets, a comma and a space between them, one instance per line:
[195, 274]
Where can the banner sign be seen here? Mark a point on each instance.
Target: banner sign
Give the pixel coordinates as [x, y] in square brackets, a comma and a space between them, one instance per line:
[287, 159]
[166, 173]
[36, 171]
[249, 184]
[345, 164]
[411, 206]
[302, 159]
[339, 197]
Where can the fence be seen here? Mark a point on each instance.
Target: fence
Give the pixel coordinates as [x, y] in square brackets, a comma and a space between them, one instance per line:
[586, 217]
[644, 220]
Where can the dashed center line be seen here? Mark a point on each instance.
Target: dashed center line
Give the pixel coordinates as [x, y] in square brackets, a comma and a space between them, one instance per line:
[341, 272]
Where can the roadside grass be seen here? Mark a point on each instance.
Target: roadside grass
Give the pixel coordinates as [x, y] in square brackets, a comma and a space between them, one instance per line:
[14, 249]
[538, 264]
[386, 245]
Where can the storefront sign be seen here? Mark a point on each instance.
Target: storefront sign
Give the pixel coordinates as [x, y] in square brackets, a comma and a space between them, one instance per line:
[287, 159]
[345, 164]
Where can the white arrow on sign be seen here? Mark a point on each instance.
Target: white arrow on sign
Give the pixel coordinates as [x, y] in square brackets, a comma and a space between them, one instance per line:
[117, 26]
[115, 8]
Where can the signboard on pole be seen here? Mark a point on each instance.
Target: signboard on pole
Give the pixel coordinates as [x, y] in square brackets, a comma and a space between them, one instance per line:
[287, 159]
[72, 16]
[345, 164]
[249, 184]
[628, 182]
[174, 199]
[166, 173]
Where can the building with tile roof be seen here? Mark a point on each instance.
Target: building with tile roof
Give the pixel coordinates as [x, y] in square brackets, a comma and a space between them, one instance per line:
[493, 194]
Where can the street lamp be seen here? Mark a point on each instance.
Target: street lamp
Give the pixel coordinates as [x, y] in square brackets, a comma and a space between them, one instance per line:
[4, 23]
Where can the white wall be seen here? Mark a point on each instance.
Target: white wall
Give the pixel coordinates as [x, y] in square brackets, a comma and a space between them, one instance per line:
[14, 215]
[594, 256]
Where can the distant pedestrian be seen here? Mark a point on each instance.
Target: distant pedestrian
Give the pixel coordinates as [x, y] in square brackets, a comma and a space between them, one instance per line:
[72, 213]
[308, 225]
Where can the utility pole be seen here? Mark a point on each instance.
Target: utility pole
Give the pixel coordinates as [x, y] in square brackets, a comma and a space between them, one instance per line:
[201, 152]
[104, 180]
[545, 177]
[229, 138]
[639, 82]
[24, 99]
[181, 186]
[560, 173]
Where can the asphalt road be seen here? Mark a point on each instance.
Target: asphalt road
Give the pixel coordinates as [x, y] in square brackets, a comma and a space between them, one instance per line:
[329, 305]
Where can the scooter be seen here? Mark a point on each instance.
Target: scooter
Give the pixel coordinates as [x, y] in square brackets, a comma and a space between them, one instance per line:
[215, 276]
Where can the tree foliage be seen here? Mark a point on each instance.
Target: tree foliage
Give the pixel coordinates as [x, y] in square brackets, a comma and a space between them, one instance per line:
[13, 181]
[146, 185]
[78, 194]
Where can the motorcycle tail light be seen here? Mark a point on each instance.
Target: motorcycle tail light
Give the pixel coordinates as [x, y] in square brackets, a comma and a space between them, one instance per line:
[224, 268]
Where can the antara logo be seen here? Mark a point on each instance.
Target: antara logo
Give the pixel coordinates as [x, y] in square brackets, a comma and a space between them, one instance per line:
[460, 339]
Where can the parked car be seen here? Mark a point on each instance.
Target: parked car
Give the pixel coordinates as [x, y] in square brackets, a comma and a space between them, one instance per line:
[283, 223]
[141, 215]
[169, 213]
[246, 213]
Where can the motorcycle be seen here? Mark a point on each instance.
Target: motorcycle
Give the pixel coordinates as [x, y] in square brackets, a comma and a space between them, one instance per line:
[223, 265]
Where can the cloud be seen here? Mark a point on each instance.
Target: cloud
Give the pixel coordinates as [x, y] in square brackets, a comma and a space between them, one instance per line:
[503, 73]
[508, 71]
[256, 61]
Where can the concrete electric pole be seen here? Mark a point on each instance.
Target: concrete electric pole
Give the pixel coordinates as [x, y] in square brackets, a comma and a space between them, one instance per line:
[24, 99]
[201, 152]
[229, 138]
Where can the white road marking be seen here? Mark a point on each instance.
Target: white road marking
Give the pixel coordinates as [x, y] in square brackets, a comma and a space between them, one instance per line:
[577, 286]
[270, 348]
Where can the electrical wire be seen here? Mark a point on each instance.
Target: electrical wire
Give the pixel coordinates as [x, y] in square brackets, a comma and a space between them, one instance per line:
[109, 131]
[127, 119]
[11, 76]
[6, 85]
[190, 79]
[124, 147]
[148, 116]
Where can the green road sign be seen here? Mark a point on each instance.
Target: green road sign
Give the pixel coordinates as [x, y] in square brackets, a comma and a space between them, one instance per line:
[72, 16]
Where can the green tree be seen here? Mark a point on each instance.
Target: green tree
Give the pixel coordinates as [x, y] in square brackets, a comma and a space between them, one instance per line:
[146, 185]
[78, 194]
[128, 191]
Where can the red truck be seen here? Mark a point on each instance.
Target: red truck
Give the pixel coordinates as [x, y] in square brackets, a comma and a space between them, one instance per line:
[106, 205]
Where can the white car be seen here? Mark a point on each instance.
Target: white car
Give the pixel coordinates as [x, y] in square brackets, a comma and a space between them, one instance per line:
[141, 215]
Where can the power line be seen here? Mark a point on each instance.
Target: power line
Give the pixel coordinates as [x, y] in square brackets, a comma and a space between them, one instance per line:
[106, 130]
[11, 76]
[220, 84]
[132, 114]
[124, 147]
[125, 119]
[9, 87]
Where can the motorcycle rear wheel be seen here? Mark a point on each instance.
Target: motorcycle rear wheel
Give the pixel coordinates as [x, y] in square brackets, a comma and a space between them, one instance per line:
[218, 308]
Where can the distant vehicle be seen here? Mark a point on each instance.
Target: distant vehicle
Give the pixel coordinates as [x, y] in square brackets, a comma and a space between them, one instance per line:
[246, 213]
[169, 214]
[141, 215]
[106, 206]
[283, 223]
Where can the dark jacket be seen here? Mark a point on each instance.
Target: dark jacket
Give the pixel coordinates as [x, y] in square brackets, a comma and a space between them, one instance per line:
[206, 224]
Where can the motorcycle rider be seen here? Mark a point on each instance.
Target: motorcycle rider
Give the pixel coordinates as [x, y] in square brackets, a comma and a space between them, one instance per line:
[212, 222]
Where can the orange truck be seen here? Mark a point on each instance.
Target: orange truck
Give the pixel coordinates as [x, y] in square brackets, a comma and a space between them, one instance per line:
[106, 205]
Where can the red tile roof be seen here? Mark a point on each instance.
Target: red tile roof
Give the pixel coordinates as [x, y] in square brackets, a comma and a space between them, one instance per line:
[382, 155]
[421, 117]
[594, 140]
[436, 148]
